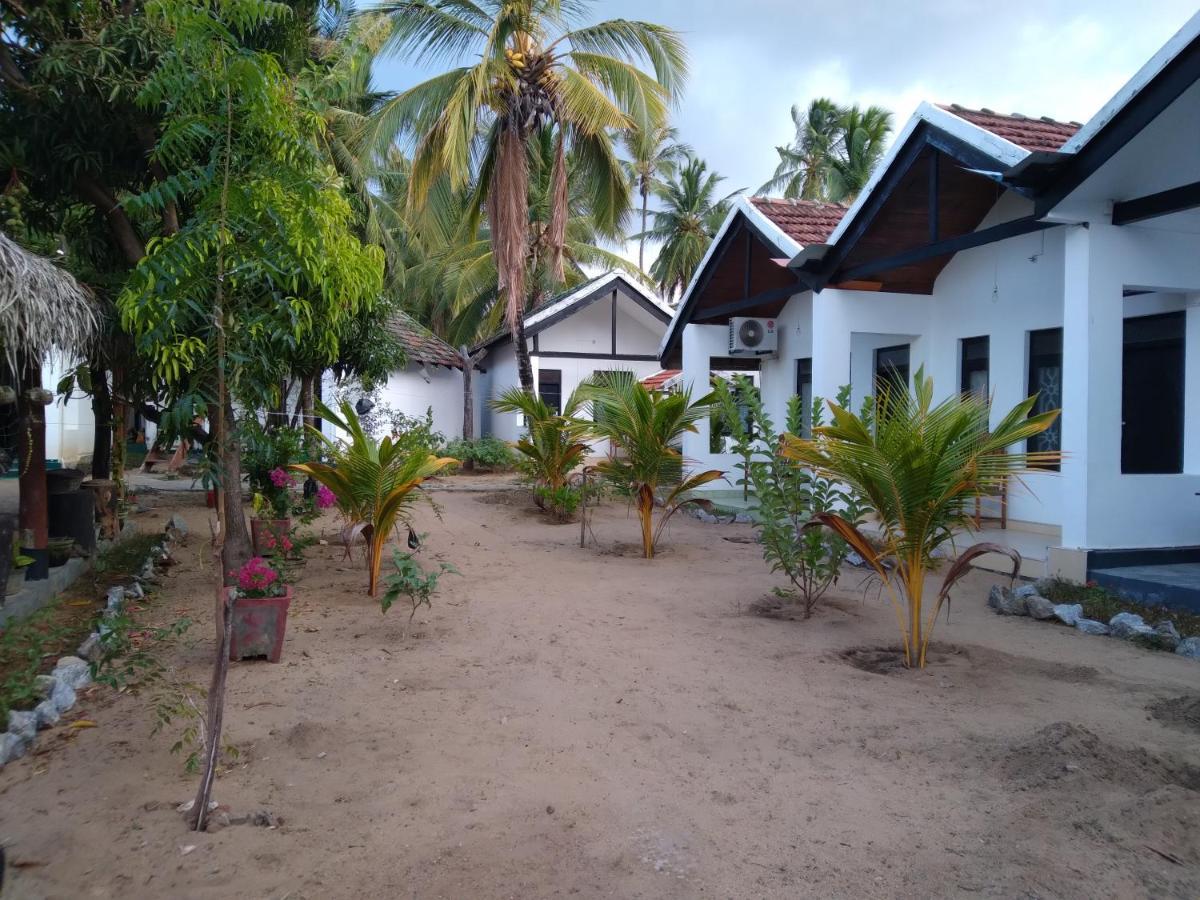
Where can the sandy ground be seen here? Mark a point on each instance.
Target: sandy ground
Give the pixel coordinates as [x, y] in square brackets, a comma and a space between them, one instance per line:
[581, 722]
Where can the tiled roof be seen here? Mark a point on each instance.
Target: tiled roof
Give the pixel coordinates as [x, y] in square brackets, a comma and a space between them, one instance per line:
[421, 344]
[656, 381]
[1032, 134]
[804, 221]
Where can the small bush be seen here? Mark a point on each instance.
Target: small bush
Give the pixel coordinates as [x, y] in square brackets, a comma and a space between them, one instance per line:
[485, 452]
[561, 502]
[414, 434]
[412, 581]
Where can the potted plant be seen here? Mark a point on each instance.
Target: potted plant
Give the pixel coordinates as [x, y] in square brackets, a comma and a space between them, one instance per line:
[16, 573]
[60, 549]
[259, 606]
[272, 522]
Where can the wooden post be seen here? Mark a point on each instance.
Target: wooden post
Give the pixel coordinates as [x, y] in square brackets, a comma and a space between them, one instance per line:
[34, 517]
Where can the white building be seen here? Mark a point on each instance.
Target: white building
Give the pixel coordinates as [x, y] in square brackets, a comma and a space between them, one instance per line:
[611, 323]
[1007, 254]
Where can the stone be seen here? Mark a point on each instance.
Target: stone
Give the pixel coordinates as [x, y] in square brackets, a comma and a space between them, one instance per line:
[855, 559]
[22, 723]
[74, 671]
[1091, 626]
[1045, 586]
[264, 818]
[1189, 647]
[1068, 613]
[57, 691]
[116, 597]
[47, 714]
[90, 649]
[1039, 607]
[1025, 591]
[1128, 625]
[1164, 636]
[177, 525]
[1006, 603]
[135, 591]
[11, 747]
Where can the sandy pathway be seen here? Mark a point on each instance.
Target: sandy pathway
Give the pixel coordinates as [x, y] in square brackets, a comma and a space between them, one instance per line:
[581, 722]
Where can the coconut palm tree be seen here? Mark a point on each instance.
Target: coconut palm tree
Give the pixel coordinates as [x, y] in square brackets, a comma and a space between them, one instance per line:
[863, 135]
[689, 215]
[531, 66]
[805, 164]
[644, 428]
[654, 155]
[920, 466]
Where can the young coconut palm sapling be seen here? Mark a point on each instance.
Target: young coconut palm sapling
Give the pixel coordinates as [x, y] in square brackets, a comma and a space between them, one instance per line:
[920, 466]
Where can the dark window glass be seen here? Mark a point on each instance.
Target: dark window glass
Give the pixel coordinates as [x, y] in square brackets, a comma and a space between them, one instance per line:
[891, 374]
[1045, 380]
[805, 393]
[1152, 395]
[550, 388]
[975, 366]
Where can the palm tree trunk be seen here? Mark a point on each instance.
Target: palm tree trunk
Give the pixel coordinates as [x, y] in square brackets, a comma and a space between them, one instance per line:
[642, 241]
[468, 428]
[524, 364]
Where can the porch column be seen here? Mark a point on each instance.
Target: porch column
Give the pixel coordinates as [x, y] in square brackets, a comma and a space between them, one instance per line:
[1092, 352]
[697, 366]
[830, 344]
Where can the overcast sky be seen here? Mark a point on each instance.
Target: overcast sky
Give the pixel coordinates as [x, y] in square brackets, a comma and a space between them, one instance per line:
[751, 60]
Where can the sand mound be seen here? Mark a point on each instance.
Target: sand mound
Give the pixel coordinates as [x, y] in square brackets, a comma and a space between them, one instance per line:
[1064, 751]
[1178, 712]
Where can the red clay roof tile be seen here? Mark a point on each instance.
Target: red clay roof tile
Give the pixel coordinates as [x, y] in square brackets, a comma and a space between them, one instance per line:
[421, 344]
[1032, 134]
[804, 221]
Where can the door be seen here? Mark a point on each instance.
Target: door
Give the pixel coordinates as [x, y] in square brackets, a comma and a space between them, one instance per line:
[891, 372]
[1152, 395]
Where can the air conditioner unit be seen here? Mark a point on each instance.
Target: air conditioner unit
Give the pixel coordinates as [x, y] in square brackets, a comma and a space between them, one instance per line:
[753, 337]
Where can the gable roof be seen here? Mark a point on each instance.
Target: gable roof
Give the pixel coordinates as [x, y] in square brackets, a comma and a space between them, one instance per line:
[785, 226]
[421, 344]
[571, 301]
[1031, 134]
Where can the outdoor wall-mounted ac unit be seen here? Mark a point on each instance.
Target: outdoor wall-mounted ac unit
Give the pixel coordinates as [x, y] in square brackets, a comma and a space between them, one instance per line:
[753, 337]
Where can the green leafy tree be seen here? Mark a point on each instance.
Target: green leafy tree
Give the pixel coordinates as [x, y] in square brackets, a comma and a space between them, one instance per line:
[689, 214]
[265, 260]
[920, 467]
[645, 428]
[788, 495]
[533, 67]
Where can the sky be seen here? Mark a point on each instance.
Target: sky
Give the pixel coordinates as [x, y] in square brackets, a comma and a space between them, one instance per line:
[751, 60]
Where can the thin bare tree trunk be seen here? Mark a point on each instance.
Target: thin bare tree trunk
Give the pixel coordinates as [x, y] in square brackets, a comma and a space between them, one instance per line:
[102, 412]
[468, 428]
[524, 365]
[642, 241]
[307, 413]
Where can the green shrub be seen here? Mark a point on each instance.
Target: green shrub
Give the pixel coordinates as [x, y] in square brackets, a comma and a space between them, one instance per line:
[413, 434]
[484, 452]
[412, 581]
[789, 494]
[561, 502]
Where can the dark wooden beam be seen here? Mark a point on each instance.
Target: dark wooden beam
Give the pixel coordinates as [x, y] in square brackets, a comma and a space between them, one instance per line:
[746, 279]
[728, 309]
[934, 196]
[613, 322]
[1163, 203]
[990, 235]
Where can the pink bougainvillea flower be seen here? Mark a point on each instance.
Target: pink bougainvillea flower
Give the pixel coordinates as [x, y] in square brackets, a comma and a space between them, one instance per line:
[325, 497]
[256, 575]
[280, 478]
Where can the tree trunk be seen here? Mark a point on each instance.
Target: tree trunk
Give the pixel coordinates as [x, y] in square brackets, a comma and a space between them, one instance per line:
[468, 429]
[307, 414]
[524, 365]
[642, 240]
[102, 412]
[236, 549]
[127, 239]
[35, 530]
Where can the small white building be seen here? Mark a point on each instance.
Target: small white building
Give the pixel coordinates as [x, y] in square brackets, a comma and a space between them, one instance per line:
[611, 323]
[1011, 255]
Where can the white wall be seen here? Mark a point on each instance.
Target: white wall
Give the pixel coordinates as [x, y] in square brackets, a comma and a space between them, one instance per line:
[409, 392]
[70, 424]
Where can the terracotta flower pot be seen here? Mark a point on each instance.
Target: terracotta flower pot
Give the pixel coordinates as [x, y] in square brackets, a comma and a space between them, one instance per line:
[267, 533]
[259, 625]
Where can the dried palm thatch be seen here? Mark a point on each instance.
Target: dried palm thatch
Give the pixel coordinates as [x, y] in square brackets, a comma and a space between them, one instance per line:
[42, 308]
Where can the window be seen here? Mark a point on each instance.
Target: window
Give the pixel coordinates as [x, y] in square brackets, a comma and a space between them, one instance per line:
[805, 393]
[550, 388]
[974, 366]
[1152, 395]
[1045, 380]
[891, 373]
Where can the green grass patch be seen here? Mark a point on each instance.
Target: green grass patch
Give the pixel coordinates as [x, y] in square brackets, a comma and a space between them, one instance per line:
[1102, 604]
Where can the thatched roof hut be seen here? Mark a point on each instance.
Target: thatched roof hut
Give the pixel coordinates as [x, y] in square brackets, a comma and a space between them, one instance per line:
[42, 308]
